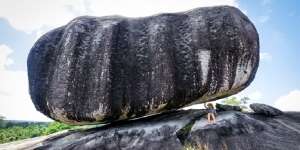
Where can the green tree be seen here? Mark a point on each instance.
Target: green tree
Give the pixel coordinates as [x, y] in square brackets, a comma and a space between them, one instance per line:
[55, 127]
[234, 101]
[2, 122]
[19, 131]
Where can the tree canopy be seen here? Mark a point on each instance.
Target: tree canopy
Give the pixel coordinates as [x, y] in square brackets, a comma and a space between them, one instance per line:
[234, 101]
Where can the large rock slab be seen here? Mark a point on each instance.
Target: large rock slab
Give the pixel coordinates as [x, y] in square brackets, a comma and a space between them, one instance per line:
[222, 107]
[266, 110]
[181, 130]
[101, 69]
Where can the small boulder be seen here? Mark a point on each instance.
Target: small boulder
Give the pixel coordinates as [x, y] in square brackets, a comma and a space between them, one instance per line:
[266, 110]
[221, 107]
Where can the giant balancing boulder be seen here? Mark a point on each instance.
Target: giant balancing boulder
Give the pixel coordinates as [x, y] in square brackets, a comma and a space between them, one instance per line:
[102, 69]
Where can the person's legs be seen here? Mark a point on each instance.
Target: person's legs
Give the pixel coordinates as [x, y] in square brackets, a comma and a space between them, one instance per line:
[208, 118]
[213, 118]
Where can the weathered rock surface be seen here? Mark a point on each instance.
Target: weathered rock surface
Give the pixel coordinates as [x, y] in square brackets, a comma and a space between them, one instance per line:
[178, 130]
[102, 69]
[222, 107]
[264, 109]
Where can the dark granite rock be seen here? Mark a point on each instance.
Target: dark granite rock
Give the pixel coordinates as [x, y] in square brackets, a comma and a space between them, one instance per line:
[180, 130]
[242, 131]
[221, 107]
[102, 69]
[266, 110]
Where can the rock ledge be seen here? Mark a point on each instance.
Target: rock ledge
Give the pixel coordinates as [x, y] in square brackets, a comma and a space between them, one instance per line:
[185, 128]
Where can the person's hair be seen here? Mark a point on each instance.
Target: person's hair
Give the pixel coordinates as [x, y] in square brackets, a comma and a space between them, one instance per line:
[210, 105]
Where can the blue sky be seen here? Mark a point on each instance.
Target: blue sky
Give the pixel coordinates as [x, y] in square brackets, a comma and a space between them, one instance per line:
[278, 25]
[21, 23]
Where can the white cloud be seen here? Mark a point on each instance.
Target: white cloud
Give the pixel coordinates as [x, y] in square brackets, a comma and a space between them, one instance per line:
[136, 8]
[264, 56]
[34, 15]
[266, 16]
[265, 2]
[263, 19]
[289, 102]
[201, 106]
[244, 11]
[5, 61]
[15, 102]
[256, 95]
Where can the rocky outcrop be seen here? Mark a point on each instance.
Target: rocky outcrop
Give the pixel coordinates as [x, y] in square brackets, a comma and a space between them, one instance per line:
[102, 69]
[182, 130]
[264, 109]
[222, 107]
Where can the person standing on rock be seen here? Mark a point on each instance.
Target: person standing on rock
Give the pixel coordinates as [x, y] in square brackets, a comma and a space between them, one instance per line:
[211, 112]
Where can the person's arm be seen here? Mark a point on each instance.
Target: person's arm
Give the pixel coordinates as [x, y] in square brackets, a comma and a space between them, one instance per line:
[205, 106]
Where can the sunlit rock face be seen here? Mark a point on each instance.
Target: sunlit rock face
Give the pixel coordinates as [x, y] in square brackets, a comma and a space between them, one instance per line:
[101, 69]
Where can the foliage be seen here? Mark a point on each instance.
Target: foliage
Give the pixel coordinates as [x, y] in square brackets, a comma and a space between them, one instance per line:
[12, 123]
[234, 101]
[2, 122]
[32, 130]
[188, 146]
[55, 127]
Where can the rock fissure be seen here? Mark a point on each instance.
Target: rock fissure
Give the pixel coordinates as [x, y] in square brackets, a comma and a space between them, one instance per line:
[184, 132]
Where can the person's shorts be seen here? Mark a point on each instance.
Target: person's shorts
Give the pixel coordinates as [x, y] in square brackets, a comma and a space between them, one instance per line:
[211, 111]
